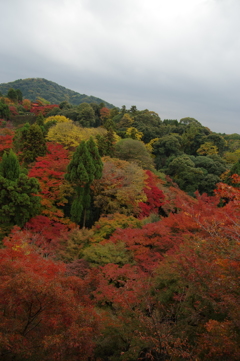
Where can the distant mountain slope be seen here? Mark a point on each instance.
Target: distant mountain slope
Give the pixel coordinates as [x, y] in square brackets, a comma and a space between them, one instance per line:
[32, 88]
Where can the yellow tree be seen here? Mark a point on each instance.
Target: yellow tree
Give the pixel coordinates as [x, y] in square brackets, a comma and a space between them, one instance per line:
[126, 121]
[134, 133]
[57, 119]
[232, 157]
[208, 148]
[70, 135]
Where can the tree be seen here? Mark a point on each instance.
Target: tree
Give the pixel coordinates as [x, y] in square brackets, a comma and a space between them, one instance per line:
[18, 199]
[104, 114]
[126, 121]
[207, 148]
[65, 105]
[121, 187]
[193, 137]
[106, 225]
[134, 133]
[183, 171]
[12, 95]
[86, 115]
[55, 119]
[70, 135]
[27, 104]
[6, 140]
[93, 150]
[232, 175]
[155, 197]
[106, 143]
[133, 150]
[165, 147]
[40, 121]
[34, 144]
[189, 121]
[147, 122]
[47, 235]
[54, 191]
[213, 167]
[102, 254]
[4, 110]
[218, 141]
[85, 166]
[9, 167]
[232, 157]
[19, 95]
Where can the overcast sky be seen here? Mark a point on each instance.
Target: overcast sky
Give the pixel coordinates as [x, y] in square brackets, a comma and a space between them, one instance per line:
[177, 58]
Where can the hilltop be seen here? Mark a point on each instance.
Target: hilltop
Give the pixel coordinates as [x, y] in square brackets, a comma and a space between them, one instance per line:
[32, 88]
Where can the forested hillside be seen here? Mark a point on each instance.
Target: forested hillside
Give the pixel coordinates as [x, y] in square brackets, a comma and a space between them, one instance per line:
[34, 88]
[119, 235]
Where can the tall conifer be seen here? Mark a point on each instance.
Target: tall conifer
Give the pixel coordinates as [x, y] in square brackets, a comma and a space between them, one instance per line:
[18, 200]
[85, 166]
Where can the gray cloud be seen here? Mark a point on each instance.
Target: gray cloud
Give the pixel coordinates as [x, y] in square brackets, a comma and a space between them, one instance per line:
[176, 58]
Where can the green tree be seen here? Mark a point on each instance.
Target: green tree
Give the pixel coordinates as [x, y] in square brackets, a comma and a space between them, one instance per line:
[193, 137]
[34, 144]
[188, 121]
[86, 115]
[109, 124]
[85, 166]
[40, 120]
[4, 110]
[65, 105]
[12, 95]
[183, 171]
[20, 135]
[19, 95]
[135, 151]
[218, 141]
[170, 122]
[106, 143]
[93, 150]
[18, 200]
[214, 164]
[235, 168]
[147, 122]
[9, 167]
[167, 146]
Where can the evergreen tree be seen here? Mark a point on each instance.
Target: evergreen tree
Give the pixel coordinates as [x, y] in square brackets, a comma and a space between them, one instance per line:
[85, 166]
[91, 145]
[18, 200]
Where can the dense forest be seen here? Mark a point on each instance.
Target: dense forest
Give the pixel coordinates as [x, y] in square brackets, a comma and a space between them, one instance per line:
[119, 234]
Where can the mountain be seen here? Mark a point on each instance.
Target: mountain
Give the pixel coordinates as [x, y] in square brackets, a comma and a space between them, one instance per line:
[32, 88]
